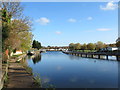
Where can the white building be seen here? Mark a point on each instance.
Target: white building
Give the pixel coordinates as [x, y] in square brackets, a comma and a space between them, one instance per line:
[112, 48]
[109, 49]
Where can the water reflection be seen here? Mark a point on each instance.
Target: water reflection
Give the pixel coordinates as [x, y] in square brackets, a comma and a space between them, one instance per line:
[36, 58]
[73, 79]
[73, 57]
[70, 71]
[59, 68]
[29, 57]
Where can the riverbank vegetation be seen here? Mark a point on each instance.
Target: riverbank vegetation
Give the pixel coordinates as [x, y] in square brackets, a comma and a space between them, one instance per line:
[16, 29]
[16, 33]
[90, 47]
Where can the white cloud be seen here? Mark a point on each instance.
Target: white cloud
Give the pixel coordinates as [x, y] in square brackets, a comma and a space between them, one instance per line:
[89, 18]
[103, 29]
[109, 6]
[58, 32]
[72, 20]
[43, 21]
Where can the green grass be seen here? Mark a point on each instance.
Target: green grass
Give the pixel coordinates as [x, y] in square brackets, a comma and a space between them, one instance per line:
[29, 69]
[6, 78]
[37, 80]
[86, 50]
[6, 81]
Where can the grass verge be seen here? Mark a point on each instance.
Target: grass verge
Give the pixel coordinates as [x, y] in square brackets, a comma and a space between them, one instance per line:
[37, 80]
[6, 81]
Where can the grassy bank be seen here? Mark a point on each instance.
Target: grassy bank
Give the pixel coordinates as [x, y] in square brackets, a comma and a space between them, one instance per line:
[37, 80]
[18, 63]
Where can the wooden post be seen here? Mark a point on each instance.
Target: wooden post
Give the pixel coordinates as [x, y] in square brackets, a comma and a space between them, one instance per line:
[86, 55]
[91, 55]
[107, 57]
[81, 54]
[98, 56]
[117, 58]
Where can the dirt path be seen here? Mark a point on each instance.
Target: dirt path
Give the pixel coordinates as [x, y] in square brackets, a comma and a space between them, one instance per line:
[19, 77]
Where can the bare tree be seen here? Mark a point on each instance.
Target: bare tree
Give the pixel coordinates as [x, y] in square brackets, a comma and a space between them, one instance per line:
[13, 9]
[16, 25]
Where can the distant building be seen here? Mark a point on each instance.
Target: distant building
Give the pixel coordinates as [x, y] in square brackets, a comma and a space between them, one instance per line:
[112, 48]
[109, 49]
[18, 52]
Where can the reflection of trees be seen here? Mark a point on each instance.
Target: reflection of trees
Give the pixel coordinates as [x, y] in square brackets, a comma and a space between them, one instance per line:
[36, 58]
[28, 57]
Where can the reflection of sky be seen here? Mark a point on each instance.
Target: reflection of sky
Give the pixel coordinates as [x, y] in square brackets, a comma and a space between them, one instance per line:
[59, 68]
[73, 79]
[64, 70]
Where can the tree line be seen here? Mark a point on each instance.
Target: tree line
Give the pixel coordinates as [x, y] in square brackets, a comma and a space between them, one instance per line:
[89, 46]
[55, 47]
[16, 28]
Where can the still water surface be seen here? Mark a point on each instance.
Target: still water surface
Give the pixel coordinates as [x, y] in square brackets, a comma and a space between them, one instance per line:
[68, 71]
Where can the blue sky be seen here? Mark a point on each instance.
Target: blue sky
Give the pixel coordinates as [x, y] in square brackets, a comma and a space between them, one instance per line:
[61, 23]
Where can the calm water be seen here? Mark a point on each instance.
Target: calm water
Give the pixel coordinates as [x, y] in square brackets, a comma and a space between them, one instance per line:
[67, 71]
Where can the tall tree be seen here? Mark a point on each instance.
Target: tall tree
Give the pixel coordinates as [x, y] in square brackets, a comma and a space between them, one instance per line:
[9, 10]
[71, 46]
[77, 46]
[84, 46]
[91, 46]
[36, 44]
[16, 33]
[99, 45]
[19, 37]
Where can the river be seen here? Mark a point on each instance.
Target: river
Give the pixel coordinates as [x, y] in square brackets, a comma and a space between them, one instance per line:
[67, 71]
